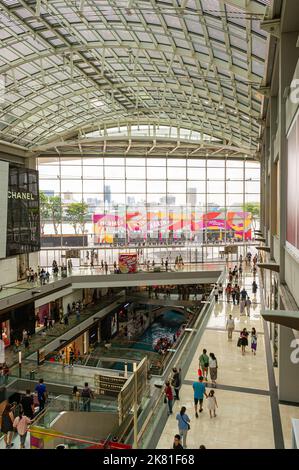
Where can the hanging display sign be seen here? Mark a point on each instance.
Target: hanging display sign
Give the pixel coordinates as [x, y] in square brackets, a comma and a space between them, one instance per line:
[127, 263]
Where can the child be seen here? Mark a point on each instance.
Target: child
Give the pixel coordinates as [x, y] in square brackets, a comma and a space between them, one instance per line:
[212, 403]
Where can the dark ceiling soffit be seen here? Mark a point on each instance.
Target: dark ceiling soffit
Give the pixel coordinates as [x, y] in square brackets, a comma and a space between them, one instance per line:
[264, 248]
[272, 266]
[287, 318]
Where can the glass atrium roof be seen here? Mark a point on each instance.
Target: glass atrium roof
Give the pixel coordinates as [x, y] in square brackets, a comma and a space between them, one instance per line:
[73, 68]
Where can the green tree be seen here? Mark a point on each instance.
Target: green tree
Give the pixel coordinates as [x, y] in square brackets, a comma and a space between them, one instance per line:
[55, 212]
[254, 209]
[44, 210]
[76, 214]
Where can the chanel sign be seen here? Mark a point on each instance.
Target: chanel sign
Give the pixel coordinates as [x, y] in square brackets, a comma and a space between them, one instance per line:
[19, 195]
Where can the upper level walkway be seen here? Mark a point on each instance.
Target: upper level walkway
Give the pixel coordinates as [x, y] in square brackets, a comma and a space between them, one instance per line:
[44, 339]
[22, 291]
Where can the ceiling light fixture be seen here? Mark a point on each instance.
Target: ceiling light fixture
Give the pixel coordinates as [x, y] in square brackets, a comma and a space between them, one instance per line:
[97, 103]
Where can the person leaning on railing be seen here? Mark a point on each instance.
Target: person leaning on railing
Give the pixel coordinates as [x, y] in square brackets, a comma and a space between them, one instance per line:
[87, 395]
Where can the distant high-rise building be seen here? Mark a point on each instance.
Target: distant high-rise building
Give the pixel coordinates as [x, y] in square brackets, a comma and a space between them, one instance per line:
[131, 201]
[170, 200]
[192, 196]
[67, 197]
[48, 192]
[107, 194]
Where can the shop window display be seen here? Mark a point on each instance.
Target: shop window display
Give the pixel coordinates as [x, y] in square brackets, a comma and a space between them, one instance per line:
[5, 333]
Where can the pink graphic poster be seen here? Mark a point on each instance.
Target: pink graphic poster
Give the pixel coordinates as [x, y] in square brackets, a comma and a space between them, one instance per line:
[127, 263]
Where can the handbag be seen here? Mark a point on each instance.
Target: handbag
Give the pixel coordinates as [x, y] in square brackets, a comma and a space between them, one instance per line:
[189, 427]
[165, 399]
[239, 343]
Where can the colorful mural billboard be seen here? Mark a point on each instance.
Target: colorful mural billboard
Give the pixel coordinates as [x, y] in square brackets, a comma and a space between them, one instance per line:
[172, 223]
[127, 263]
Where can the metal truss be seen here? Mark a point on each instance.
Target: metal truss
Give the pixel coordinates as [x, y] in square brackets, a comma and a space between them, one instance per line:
[77, 66]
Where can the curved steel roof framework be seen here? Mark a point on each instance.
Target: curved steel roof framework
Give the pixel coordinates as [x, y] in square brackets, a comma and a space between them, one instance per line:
[75, 67]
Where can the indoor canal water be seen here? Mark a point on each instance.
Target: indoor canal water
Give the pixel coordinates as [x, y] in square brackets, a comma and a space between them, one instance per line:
[165, 326]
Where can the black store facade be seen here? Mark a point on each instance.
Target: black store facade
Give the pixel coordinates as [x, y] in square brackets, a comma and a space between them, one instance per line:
[15, 320]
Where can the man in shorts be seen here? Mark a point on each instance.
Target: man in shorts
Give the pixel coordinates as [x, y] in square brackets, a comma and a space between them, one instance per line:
[204, 363]
[199, 391]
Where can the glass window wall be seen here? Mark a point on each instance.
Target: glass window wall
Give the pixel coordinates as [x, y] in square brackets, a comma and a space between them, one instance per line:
[92, 203]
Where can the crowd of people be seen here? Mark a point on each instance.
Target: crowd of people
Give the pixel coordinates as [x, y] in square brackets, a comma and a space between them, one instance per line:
[172, 393]
[208, 364]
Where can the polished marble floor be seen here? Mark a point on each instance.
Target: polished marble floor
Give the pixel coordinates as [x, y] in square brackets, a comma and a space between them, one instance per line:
[244, 417]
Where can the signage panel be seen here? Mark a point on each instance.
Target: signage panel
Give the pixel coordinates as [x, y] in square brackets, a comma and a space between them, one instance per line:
[23, 218]
[4, 169]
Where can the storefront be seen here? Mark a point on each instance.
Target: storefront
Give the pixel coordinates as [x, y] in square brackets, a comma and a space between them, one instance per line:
[89, 296]
[14, 321]
[41, 313]
[79, 346]
[93, 335]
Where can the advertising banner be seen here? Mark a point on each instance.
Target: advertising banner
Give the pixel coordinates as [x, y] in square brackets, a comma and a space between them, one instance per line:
[108, 227]
[127, 263]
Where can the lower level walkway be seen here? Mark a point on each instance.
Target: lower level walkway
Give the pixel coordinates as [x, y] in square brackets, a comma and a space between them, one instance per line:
[249, 415]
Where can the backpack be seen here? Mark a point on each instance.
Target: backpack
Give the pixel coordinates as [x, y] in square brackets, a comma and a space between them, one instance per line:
[86, 393]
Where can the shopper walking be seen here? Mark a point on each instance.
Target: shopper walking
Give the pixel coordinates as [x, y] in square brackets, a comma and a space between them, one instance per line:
[199, 389]
[26, 344]
[168, 396]
[86, 395]
[243, 294]
[7, 425]
[244, 340]
[230, 326]
[213, 366]
[220, 290]
[176, 382]
[21, 425]
[248, 305]
[24, 335]
[72, 358]
[212, 404]
[242, 306]
[253, 341]
[75, 399]
[228, 292]
[63, 358]
[204, 363]
[27, 403]
[216, 293]
[237, 291]
[41, 391]
[254, 287]
[234, 294]
[106, 267]
[177, 442]
[183, 424]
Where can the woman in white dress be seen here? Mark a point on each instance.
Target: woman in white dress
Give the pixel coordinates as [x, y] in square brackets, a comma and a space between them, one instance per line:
[212, 404]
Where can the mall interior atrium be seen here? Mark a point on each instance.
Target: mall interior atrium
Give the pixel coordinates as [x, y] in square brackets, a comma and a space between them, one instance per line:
[149, 243]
